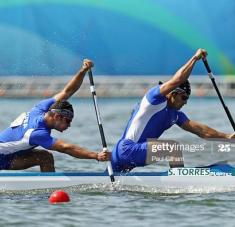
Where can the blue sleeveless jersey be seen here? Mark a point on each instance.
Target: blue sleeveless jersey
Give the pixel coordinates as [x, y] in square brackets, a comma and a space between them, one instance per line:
[151, 117]
[28, 131]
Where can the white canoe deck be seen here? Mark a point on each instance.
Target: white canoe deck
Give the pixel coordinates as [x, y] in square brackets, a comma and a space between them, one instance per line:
[174, 178]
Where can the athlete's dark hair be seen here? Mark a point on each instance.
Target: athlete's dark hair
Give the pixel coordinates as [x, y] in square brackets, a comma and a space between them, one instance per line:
[63, 108]
[62, 105]
[185, 86]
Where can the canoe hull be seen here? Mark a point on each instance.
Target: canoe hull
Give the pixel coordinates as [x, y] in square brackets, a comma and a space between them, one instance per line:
[30, 181]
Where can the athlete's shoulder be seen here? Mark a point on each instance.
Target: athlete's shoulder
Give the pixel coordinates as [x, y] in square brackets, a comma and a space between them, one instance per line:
[154, 96]
[42, 137]
[44, 105]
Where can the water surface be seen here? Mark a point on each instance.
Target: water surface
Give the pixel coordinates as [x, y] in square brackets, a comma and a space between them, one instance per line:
[128, 206]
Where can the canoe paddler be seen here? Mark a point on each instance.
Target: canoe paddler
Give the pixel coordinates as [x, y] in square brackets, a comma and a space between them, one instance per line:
[158, 111]
[19, 142]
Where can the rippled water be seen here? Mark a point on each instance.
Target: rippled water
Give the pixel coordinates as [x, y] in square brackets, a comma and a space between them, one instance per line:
[100, 205]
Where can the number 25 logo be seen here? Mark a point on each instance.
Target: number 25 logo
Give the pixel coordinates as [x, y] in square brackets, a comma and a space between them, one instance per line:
[224, 147]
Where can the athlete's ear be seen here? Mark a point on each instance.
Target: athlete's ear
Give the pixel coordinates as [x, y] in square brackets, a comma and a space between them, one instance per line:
[173, 94]
[170, 95]
[56, 116]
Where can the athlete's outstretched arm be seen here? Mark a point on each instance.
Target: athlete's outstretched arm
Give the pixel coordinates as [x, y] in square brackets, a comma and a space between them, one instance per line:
[205, 131]
[182, 74]
[75, 83]
[79, 152]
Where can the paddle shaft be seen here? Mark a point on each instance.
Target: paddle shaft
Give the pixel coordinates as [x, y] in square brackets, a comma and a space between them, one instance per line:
[93, 92]
[210, 74]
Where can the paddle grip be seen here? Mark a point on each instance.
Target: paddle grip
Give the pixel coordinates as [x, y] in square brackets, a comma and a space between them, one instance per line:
[206, 65]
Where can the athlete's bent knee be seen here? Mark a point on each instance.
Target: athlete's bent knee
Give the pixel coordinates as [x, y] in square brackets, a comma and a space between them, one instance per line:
[46, 160]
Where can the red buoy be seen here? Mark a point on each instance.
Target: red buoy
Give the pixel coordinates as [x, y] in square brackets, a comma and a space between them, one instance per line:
[59, 196]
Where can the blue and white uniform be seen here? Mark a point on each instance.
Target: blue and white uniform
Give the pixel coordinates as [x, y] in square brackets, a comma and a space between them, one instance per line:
[149, 119]
[25, 133]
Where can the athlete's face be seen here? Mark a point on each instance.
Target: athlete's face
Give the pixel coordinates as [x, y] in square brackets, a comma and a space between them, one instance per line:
[179, 100]
[62, 123]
